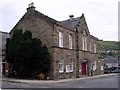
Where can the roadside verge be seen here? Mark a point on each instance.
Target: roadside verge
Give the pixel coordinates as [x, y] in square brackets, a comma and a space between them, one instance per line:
[52, 81]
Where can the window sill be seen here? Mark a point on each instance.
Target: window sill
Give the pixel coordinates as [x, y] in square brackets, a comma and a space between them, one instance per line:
[71, 71]
[61, 71]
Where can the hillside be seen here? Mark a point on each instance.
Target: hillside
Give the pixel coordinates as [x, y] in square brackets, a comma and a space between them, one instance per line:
[108, 48]
[108, 45]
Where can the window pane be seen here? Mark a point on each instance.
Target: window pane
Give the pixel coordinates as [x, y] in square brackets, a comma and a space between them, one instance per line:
[94, 48]
[70, 41]
[83, 42]
[60, 39]
[90, 47]
[71, 65]
[61, 65]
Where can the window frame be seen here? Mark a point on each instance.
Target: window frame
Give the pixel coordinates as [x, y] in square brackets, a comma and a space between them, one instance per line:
[61, 65]
[95, 48]
[90, 47]
[95, 65]
[60, 39]
[70, 41]
[71, 64]
[83, 44]
[84, 41]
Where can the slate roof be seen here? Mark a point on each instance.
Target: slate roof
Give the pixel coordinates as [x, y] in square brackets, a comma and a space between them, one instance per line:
[64, 23]
[72, 24]
[69, 24]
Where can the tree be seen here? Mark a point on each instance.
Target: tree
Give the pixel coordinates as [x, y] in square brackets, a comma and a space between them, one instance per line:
[27, 55]
[110, 48]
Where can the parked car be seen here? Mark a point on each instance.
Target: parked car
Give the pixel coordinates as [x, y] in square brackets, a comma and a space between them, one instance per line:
[113, 68]
[116, 71]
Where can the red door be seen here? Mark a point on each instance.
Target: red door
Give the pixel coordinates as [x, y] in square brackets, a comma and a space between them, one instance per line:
[83, 68]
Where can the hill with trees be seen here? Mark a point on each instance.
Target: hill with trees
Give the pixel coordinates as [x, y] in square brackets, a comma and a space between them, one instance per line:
[109, 48]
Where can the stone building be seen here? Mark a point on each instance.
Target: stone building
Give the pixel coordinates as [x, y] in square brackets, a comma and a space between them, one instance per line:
[73, 51]
[3, 64]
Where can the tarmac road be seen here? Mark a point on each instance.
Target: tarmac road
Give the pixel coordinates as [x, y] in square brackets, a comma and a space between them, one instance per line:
[96, 82]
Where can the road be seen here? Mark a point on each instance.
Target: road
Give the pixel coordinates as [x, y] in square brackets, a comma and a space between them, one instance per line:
[98, 82]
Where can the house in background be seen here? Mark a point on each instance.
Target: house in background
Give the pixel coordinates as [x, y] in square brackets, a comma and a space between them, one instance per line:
[111, 62]
[3, 64]
[74, 51]
[0, 54]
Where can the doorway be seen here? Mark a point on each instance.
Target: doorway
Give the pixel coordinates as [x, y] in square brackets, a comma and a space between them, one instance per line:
[84, 68]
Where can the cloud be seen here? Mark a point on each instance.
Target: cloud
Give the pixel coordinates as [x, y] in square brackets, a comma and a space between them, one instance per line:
[10, 13]
[101, 15]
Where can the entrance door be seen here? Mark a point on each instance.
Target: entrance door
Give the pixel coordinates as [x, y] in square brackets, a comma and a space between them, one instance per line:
[83, 68]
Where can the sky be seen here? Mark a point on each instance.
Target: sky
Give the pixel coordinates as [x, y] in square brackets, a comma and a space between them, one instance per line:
[101, 15]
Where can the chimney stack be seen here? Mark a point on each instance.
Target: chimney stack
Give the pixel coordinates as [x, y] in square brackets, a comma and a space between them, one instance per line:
[71, 17]
[31, 7]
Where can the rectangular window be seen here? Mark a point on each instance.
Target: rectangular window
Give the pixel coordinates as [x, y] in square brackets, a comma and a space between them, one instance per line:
[83, 45]
[60, 39]
[70, 41]
[102, 68]
[94, 48]
[95, 65]
[90, 48]
[61, 65]
[80, 68]
[67, 68]
[71, 66]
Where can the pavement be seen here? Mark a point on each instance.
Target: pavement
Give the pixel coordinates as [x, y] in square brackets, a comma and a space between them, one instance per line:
[51, 81]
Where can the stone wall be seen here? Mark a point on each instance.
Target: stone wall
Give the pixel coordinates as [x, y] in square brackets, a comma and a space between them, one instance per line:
[36, 23]
[63, 52]
[45, 29]
[39, 27]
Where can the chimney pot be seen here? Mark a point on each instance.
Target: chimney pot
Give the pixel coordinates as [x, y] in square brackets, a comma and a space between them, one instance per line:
[31, 6]
[71, 17]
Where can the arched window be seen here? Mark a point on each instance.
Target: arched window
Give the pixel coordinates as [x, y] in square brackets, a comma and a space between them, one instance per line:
[84, 41]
